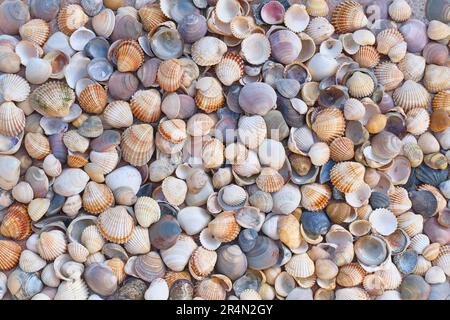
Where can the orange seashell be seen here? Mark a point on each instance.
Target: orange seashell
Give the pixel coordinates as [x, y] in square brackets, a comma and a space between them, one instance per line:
[115, 224]
[137, 144]
[439, 120]
[442, 100]
[71, 18]
[170, 75]
[35, 30]
[9, 255]
[77, 159]
[173, 130]
[224, 227]
[93, 98]
[348, 16]
[97, 197]
[209, 95]
[202, 263]
[329, 124]
[269, 180]
[342, 149]
[172, 276]
[347, 176]
[146, 105]
[16, 224]
[315, 196]
[129, 56]
[389, 75]
[118, 268]
[230, 68]
[367, 57]
[37, 145]
[151, 16]
[350, 275]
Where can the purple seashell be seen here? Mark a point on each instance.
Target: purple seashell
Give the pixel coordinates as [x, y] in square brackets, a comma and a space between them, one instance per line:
[147, 73]
[272, 12]
[286, 46]
[415, 33]
[436, 232]
[108, 139]
[165, 232]
[122, 86]
[193, 27]
[386, 103]
[58, 147]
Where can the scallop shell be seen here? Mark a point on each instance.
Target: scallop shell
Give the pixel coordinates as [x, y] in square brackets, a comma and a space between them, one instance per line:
[224, 227]
[348, 16]
[115, 224]
[300, 266]
[399, 201]
[269, 180]
[342, 149]
[241, 27]
[118, 114]
[146, 105]
[350, 275]
[52, 244]
[12, 119]
[389, 75]
[37, 208]
[151, 16]
[169, 76]
[387, 39]
[14, 88]
[71, 18]
[411, 95]
[412, 66]
[315, 196]
[360, 85]
[411, 223]
[93, 98]
[329, 124]
[230, 68]
[317, 8]
[10, 253]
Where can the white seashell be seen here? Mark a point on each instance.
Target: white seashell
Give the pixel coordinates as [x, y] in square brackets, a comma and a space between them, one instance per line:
[49, 277]
[70, 182]
[177, 256]
[193, 219]
[322, 66]
[364, 37]
[158, 290]
[31, 262]
[126, 176]
[80, 38]
[383, 221]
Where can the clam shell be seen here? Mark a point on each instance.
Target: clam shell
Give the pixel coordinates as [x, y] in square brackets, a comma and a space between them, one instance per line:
[256, 48]
[115, 225]
[16, 224]
[10, 253]
[118, 114]
[202, 263]
[193, 219]
[287, 199]
[165, 232]
[388, 75]
[71, 18]
[329, 124]
[13, 88]
[230, 68]
[52, 244]
[151, 16]
[319, 29]
[224, 227]
[166, 43]
[169, 76]
[137, 144]
[436, 78]
[399, 10]
[146, 211]
[93, 98]
[315, 196]
[285, 46]
[208, 51]
[347, 176]
[139, 242]
[12, 120]
[412, 66]
[263, 255]
[177, 256]
[174, 190]
[209, 94]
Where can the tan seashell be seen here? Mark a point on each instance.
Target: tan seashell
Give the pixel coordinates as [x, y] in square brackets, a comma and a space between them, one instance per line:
[230, 68]
[23, 192]
[354, 293]
[422, 266]
[439, 120]
[104, 161]
[417, 121]
[173, 131]
[431, 252]
[364, 37]
[97, 197]
[367, 57]
[209, 94]
[139, 242]
[390, 276]
[338, 212]
[213, 154]
[35, 30]
[77, 160]
[208, 51]
[202, 263]
[37, 145]
[71, 18]
[256, 48]
[118, 268]
[269, 180]
[411, 95]
[118, 114]
[376, 123]
[398, 52]
[75, 142]
[399, 10]
[199, 125]
[146, 105]
[412, 66]
[441, 100]
[104, 22]
[354, 109]
[146, 211]
[12, 119]
[348, 16]
[387, 39]
[72, 205]
[319, 153]
[151, 16]
[329, 124]
[37, 208]
[414, 153]
[326, 269]
[51, 244]
[319, 29]
[438, 30]
[224, 227]
[250, 294]
[347, 176]
[350, 275]
[137, 144]
[115, 224]
[411, 223]
[9, 254]
[52, 166]
[252, 131]
[288, 228]
[419, 242]
[174, 190]
[399, 201]
[315, 196]
[300, 266]
[170, 74]
[241, 27]
[91, 239]
[52, 99]
[342, 149]
[388, 75]
[77, 252]
[360, 85]
[317, 8]
[435, 275]
[436, 78]
[211, 289]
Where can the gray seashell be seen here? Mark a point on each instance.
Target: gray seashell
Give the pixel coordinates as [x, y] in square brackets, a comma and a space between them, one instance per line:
[100, 69]
[250, 280]
[181, 289]
[315, 223]
[165, 232]
[3, 287]
[415, 34]
[247, 239]
[192, 27]
[398, 241]
[231, 261]
[414, 287]
[406, 262]
[56, 204]
[284, 256]
[371, 251]
[114, 250]
[126, 27]
[77, 226]
[23, 285]
[288, 88]
[287, 199]
[92, 7]
[38, 181]
[100, 279]
[132, 289]
[277, 128]
[46, 10]
[257, 98]
[166, 44]
[147, 73]
[96, 48]
[440, 291]
[122, 86]
[92, 127]
[106, 141]
[53, 125]
[264, 254]
[150, 266]
[423, 203]
[250, 218]
[431, 176]
[379, 200]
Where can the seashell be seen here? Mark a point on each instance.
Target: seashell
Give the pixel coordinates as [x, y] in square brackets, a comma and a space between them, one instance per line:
[193, 219]
[256, 48]
[16, 224]
[429, 176]
[241, 27]
[319, 153]
[296, 18]
[70, 182]
[46, 11]
[12, 120]
[118, 114]
[251, 132]
[319, 29]
[300, 265]
[77, 252]
[388, 75]
[22, 192]
[436, 78]
[105, 162]
[371, 252]
[211, 288]
[347, 176]
[435, 275]
[209, 94]
[315, 196]
[192, 28]
[146, 211]
[354, 109]
[414, 287]
[348, 16]
[37, 208]
[435, 53]
[23, 285]
[126, 26]
[415, 34]
[115, 225]
[71, 18]
[177, 256]
[122, 86]
[139, 242]
[37, 145]
[269, 180]
[411, 223]
[272, 12]
[399, 11]
[438, 30]
[51, 244]
[338, 212]
[314, 223]
[387, 39]
[52, 99]
[360, 85]
[417, 121]
[174, 190]
[224, 227]
[317, 8]
[158, 290]
[93, 98]
[178, 106]
[383, 221]
[151, 16]
[137, 144]
[14, 88]
[350, 275]
[202, 263]
[351, 294]
[13, 14]
[91, 239]
[399, 201]
[329, 124]
[165, 232]
[100, 279]
[367, 57]
[212, 154]
[166, 43]
[208, 51]
[97, 197]
[342, 149]
[428, 208]
[10, 253]
[412, 67]
[284, 284]
[230, 68]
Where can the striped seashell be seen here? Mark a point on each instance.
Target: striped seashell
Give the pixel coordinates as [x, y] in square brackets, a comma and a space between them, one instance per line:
[129, 56]
[115, 224]
[319, 29]
[354, 293]
[151, 16]
[390, 276]
[431, 252]
[417, 121]
[31, 262]
[37, 145]
[51, 244]
[250, 294]
[97, 197]
[389, 75]
[149, 266]
[419, 242]
[9, 254]
[12, 119]
[256, 48]
[350, 275]
[105, 161]
[77, 252]
[75, 142]
[210, 289]
[360, 85]
[411, 223]
[443, 259]
[118, 268]
[269, 180]
[367, 56]
[329, 124]
[146, 105]
[16, 224]
[399, 201]
[398, 52]
[35, 30]
[412, 66]
[347, 176]
[202, 262]
[52, 99]
[230, 68]
[137, 144]
[77, 159]
[348, 16]
[91, 239]
[300, 266]
[209, 94]
[399, 10]
[213, 154]
[224, 227]
[241, 27]
[342, 149]
[14, 88]
[71, 18]
[37, 208]
[387, 39]
[317, 8]
[422, 266]
[441, 100]
[139, 242]
[436, 78]
[411, 95]
[170, 75]
[93, 98]
[315, 196]
[72, 290]
[252, 131]
[172, 276]
[173, 130]
[146, 211]
[118, 114]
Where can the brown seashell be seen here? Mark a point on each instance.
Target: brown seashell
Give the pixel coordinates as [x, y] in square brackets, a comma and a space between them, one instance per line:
[387, 39]
[173, 131]
[77, 159]
[329, 124]
[12, 119]
[347, 176]
[97, 197]
[389, 75]
[367, 57]
[376, 123]
[118, 114]
[230, 68]
[16, 224]
[137, 144]
[224, 227]
[399, 201]
[209, 94]
[202, 263]
[170, 74]
[439, 120]
[348, 16]
[71, 18]
[115, 225]
[146, 105]
[350, 275]
[441, 100]
[315, 196]
[129, 56]
[269, 180]
[93, 98]
[9, 255]
[342, 149]
[37, 145]
[35, 30]
[151, 16]
[338, 212]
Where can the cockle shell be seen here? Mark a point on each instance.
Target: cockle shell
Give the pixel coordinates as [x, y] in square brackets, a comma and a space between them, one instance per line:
[347, 176]
[137, 144]
[13, 88]
[10, 253]
[329, 124]
[12, 119]
[389, 75]
[224, 227]
[319, 29]
[209, 94]
[208, 51]
[52, 244]
[93, 98]
[52, 99]
[16, 224]
[411, 95]
[146, 211]
[115, 224]
[436, 78]
[139, 242]
[70, 18]
[256, 48]
[348, 16]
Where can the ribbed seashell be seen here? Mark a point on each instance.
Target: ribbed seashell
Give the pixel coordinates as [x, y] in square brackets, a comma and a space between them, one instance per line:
[443, 259]
[300, 266]
[208, 51]
[22, 192]
[75, 142]
[348, 16]
[37, 145]
[52, 244]
[193, 27]
[151, 16]
[317, 8]
[367, 57]
[16, 224]
[209, 94]
[412, 66]
[177, 256]
[70, 18]
[146, 105]
[129, 56]
[97, 197]
[256, 48]
[241, 27]
[118, 114]
[199, 125]
[411, 223]
[77, 252]
[342, 149]
[329, 124]
[411, 95]
[211, 289]
[118, 268]
[315, 196]
[438, 30]
[12, 119]
[174, 190]
[319, 29]
[202, 263]
[350, 275]
[213, 154]
[14, 88]
[146, 211]
[354, 293]
[347, 176]
[419, 242]
[137, 144]
[387, 39]
[115, 224]
[399, 201]
[399, 10]
[360, 85]
[251, 132]
[150, 266]
[224, 227]
[173, 130]
[417, 121]
[230, 68]
[414, 153]
[52, 99]
[269, 180]
[93, 98]
[35, 30]
[388, 75]
[354, 109]
[10, 253]
[435, 53]
[37, 208]
[435, 275]
[139, 242]
[436, 78]
[91, 239]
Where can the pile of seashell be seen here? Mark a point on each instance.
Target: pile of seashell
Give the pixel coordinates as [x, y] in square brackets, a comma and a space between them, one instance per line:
[224, 149]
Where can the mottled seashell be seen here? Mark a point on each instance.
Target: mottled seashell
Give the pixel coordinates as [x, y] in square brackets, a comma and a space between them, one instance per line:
[348, 16]
[415, 34]
[423, 202]
[52, 99]
[165, 232]
[100, 279]
[115, 224]
[70, 18]
[435, 53]
[10, 253]
[314, 223]
[52, 244]
[256, 48]
[209, 94]
[46, 11]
